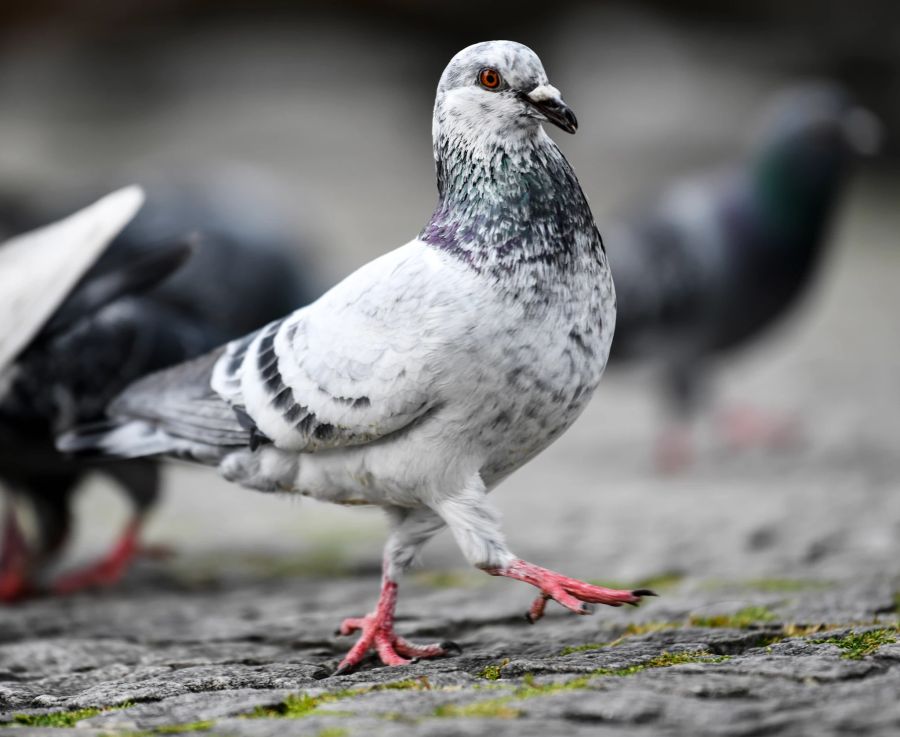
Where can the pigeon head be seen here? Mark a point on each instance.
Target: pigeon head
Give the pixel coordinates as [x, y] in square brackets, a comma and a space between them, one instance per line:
[817, 127]
[811, 136]
[497, 91]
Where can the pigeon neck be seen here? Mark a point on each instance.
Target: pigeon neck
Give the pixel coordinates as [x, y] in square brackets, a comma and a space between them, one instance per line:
[511, 207]
[796, 194]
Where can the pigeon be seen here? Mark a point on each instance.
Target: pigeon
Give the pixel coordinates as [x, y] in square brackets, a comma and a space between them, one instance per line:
[54, 258]
[426, 377]
[146, 303]
[720, 258]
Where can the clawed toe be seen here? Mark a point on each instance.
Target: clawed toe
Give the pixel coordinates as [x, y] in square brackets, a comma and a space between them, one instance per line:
[576, 596]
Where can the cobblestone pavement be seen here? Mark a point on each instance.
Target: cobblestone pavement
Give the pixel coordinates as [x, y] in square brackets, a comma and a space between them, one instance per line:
[771, 656]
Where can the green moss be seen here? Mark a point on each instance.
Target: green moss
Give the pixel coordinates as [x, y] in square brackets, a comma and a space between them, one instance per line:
[298, 706]
[333, 732]
[55, 718]
[493, 672]
[583, 648]
[747, 617]
[492, 709]
[783, 585]
[665, 660]
[203, 726]
[632, 630]
[857, 645]
[504, 708]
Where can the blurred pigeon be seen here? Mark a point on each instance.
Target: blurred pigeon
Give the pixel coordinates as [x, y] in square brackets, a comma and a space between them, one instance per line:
[126, 318]
[430, 374]
[718, 259]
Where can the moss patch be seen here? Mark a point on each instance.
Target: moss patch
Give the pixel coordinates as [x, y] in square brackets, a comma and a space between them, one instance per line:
[784, 585]
[665, 660]
[492, 709]
[857, 645]
[298, 706]
[54, 718]
[583, 648]
[61, 718]
[750, 616]
[203, 726]
[493, 672]
[504, 708]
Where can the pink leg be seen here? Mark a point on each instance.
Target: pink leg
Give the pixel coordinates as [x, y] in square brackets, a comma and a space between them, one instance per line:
[573, 594]
[377, 633]
[14, 558]
[745, 428]
[109, 569]
[674, 449]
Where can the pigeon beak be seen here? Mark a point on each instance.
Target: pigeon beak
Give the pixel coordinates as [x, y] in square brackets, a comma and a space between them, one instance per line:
[863, 130]
[547, 101]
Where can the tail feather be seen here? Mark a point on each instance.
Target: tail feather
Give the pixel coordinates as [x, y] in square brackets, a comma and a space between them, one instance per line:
[116, 439]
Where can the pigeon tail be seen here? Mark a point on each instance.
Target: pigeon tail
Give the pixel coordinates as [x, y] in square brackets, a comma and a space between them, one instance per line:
[116, 439]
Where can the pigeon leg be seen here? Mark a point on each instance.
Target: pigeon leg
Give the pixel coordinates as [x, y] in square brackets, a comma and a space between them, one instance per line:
[14, 557]
[745, 428]
[109, 569]
[674, 449]
[476, 527]
[411, 530]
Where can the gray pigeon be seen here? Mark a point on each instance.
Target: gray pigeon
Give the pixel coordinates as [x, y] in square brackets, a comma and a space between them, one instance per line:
[140, 308]
[429, 375]
[721, 258]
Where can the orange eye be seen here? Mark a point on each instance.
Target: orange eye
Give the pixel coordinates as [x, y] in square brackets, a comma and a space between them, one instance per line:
[489, 78]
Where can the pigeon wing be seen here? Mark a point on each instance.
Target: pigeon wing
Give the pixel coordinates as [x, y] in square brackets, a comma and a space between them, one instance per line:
[40, 268]
[354, 367]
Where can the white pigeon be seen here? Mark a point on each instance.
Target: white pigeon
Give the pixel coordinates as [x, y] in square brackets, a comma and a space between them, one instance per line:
[429, 375]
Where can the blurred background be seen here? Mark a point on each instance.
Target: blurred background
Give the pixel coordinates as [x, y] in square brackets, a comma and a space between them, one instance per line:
[327, 107]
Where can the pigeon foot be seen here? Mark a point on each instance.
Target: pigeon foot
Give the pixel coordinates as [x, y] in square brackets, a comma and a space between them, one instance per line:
[577, 596]
[108, 570]
[674, 450]
[745, 428]
[377, 633]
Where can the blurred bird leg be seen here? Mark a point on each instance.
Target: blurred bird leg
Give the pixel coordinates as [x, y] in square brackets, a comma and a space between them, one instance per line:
[674, 450]
[14, 557]
[110, 568]
[744, 428]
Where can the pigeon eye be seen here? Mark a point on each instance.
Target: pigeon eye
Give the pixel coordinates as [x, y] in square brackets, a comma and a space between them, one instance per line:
[489, 78]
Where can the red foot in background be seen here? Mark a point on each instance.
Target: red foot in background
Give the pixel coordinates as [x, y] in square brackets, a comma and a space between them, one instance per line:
[377, 633]
[14, 558]
[674, 450]
[107, 571]
[575, 595]
[745, 428]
